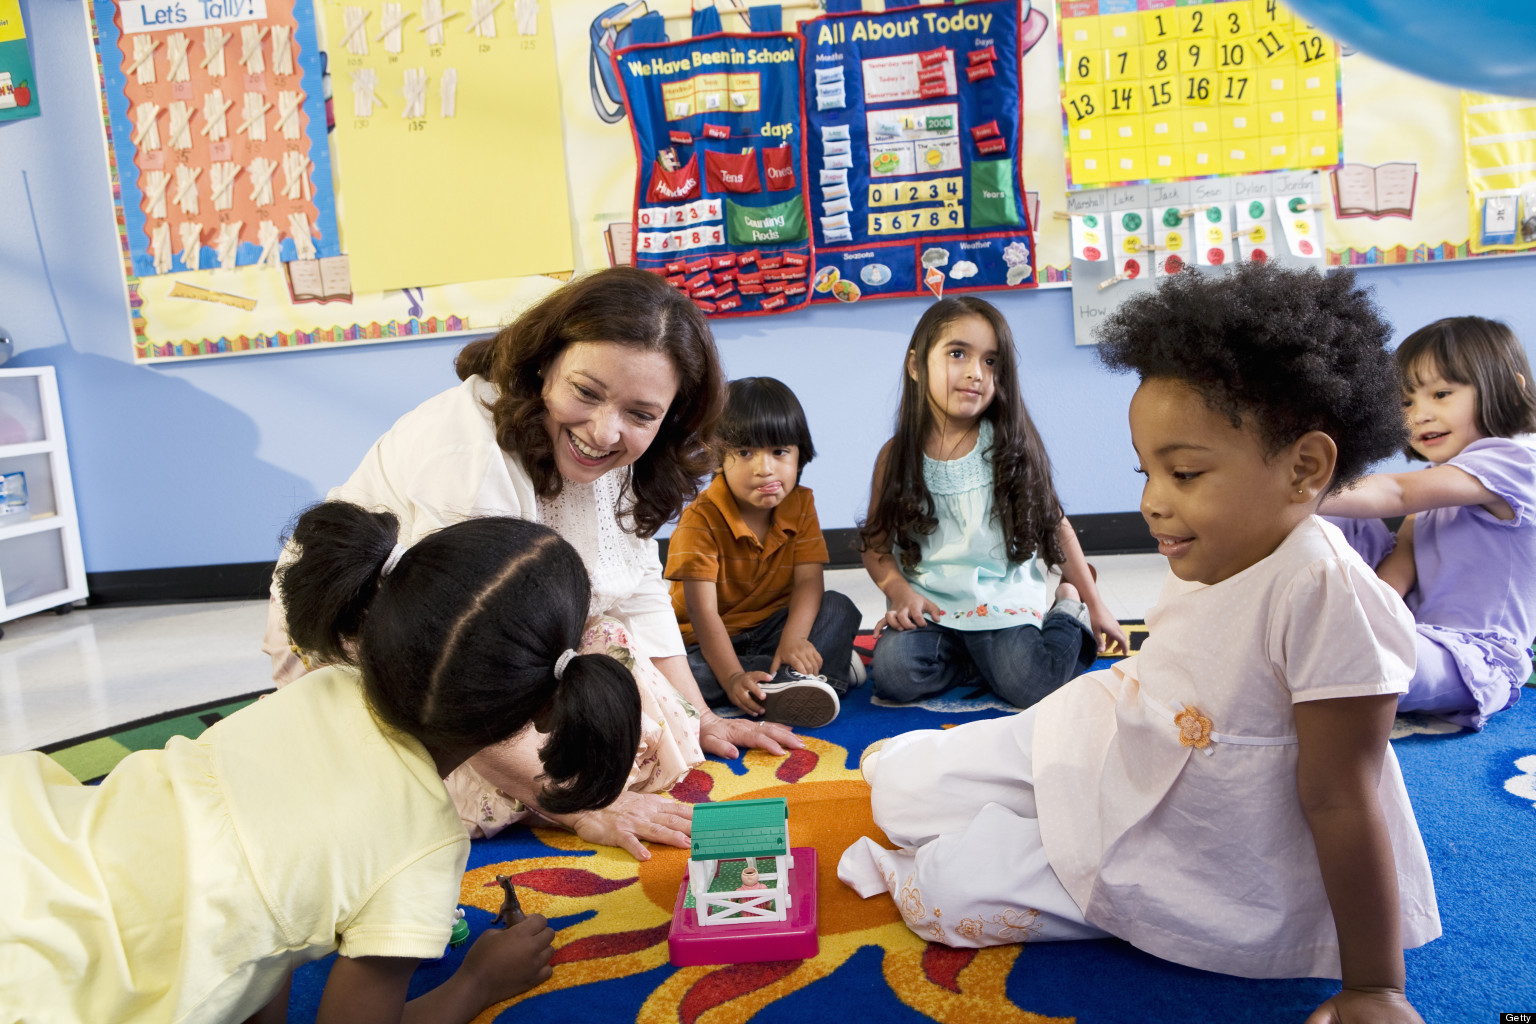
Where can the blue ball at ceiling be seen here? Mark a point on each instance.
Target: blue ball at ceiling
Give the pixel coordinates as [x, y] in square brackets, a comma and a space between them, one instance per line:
[1482, 45]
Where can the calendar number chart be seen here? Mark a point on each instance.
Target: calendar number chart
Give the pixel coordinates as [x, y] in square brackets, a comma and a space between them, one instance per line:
[1154, 90]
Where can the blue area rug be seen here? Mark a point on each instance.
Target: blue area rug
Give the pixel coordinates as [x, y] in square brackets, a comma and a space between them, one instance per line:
[1474, 795]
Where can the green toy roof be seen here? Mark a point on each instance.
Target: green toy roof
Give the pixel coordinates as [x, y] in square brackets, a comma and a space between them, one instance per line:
[740, 828]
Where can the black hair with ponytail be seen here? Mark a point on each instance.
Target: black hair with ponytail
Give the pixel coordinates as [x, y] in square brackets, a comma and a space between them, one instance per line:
[457, 643]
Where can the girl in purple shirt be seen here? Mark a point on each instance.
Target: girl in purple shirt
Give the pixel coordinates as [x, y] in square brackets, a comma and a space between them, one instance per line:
[1465, 556]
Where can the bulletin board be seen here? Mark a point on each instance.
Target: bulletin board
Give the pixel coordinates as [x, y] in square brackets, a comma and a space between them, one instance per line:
[217, 117]
[299, 303]
[18, 85]
[720, 198]
[914, 139]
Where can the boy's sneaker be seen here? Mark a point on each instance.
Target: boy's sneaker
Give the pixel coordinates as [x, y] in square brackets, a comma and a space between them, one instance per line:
[856, 673]
[794, 699]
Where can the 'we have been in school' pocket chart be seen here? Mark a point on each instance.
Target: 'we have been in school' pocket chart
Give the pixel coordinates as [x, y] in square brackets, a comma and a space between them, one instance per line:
[720, 204]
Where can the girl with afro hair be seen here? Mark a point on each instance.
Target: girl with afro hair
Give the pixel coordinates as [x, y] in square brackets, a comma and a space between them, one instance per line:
[1225, 798]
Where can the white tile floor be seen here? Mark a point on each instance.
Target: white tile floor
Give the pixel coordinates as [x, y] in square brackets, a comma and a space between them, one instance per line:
[63, 676]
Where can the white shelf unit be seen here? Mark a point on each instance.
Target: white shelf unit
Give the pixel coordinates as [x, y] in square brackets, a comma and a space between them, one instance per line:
[41, 566]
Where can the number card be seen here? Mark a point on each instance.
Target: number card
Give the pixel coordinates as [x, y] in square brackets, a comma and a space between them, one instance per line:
[1154, 91]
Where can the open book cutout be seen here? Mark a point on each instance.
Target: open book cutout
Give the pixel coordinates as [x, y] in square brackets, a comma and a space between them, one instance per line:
[322, 280]
[1360, 190]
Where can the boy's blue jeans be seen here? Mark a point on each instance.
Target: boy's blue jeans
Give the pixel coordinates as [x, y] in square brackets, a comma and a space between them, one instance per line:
[831, 635]
[1021, 664]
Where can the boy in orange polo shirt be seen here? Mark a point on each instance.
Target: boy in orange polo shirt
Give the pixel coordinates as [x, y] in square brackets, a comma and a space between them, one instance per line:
[746, 568]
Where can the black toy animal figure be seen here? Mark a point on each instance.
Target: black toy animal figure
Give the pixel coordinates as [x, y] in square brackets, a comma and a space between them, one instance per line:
[511, 911]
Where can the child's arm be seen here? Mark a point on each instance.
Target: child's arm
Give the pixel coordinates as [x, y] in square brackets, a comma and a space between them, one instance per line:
[500, 965]
[1074, 570]
[804, 604]
[1400, 494]
[704, 615]
[1398, 569]
[906, 609]
[1341, 743]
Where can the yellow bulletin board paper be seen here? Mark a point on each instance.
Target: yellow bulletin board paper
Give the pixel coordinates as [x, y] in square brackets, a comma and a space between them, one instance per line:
[433, 199]
[1500, 133]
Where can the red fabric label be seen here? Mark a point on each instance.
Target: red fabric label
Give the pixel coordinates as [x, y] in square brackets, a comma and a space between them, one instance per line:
[716, 131]
[680, 138]
[980, 56]
[694, 266]
[798, 288]
[722, 276]
[976, 71]
[778, 165]
[930, 57]
[678, 281]
[706, 292]
[751, 289]
[795, 259]
[749, 279]
[674, 186]
[989, 146]
[725, 289]
[732, 172]
[698, 280]
[706, 306]
[773, 302]
[750, 256]
[929, 90]
[731, 303]
[985, 131]
[720, 262]
[676, 267]
[774, 287]
[772, 263]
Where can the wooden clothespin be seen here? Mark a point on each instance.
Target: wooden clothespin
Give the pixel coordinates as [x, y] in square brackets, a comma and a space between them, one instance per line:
[1112, 281]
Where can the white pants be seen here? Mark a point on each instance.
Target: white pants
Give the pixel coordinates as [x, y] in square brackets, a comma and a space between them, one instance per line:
[971, 870]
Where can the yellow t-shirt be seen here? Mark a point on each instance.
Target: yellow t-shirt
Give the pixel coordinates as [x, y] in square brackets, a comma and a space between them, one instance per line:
[186, 884]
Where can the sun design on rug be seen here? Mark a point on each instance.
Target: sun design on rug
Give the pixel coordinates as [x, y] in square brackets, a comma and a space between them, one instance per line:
[631, 904]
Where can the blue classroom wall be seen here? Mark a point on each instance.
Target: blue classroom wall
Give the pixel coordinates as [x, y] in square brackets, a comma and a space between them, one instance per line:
[202, 463]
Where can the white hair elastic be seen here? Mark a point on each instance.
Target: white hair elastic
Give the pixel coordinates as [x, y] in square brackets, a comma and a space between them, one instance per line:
[393, 560]
[562, 661]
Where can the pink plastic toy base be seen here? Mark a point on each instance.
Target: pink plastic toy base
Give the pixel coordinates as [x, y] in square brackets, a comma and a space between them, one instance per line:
[794, 938]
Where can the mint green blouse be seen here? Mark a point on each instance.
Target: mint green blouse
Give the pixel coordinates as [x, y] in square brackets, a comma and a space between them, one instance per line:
[964, 568]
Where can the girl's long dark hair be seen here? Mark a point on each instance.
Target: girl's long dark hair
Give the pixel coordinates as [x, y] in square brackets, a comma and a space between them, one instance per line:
[1024, 498]
[457, 644]
[631, 307]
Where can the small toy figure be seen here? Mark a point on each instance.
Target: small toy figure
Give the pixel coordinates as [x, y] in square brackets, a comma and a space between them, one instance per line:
[749, 878]
[511, 911]
[460, 929]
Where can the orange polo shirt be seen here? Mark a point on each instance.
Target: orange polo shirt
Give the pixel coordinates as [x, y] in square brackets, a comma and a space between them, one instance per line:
[752, 577]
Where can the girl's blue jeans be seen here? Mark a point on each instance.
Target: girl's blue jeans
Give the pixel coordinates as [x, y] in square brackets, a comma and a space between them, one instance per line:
[1021, 664]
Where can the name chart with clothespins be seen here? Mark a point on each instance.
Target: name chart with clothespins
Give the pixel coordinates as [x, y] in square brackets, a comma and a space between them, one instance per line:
[1125, 240]
[217, 123]
[449, 138]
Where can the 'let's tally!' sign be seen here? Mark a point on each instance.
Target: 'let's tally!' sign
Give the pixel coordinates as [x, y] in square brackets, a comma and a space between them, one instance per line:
[148, 15]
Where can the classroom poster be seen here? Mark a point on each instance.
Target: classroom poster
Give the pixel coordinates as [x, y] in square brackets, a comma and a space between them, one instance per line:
[914, 138]
[217, 118]
[1500, 133]
[449, 139]
[18, 85]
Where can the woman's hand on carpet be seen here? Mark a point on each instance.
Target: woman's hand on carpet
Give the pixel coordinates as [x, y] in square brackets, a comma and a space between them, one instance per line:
[508, 962]
[726, 736]
[633, 820]
[1366, 1006]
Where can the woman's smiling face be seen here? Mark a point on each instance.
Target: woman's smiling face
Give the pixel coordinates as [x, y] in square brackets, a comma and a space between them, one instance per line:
[604, 403]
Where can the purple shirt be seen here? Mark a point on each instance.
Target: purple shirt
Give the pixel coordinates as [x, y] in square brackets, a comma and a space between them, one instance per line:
[1477, 572]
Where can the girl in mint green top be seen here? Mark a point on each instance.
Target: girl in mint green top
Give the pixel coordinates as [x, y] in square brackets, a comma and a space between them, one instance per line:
[964, 525]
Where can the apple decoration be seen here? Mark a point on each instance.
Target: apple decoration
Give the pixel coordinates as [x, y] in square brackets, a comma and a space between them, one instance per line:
[23, 94]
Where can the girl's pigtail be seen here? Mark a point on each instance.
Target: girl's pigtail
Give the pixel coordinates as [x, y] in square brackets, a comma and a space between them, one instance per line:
[594, 721]
[326, 591]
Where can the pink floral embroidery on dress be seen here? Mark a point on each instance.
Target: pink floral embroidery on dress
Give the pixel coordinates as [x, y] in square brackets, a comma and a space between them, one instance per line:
[912, 901]
[1017, 925]
[1194, 728]
[969, 928]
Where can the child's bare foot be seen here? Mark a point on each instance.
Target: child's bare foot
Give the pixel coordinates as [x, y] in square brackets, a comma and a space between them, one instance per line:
[511, 961]
[1067, 592]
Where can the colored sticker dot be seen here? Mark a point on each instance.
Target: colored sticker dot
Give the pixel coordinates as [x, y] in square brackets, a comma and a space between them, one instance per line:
[1255, 209]
[1090, 253]
[1132, 244]
[1132, 269]
[1215, 257]
[1296, 204]
[1305, 247]
[1131, 221]
[1172, 218]
[1213, 214]
[1091, 221]
[1213, 235]
[1173, 264]
[1259, 256]
[1257, 235]
[1175, 240]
